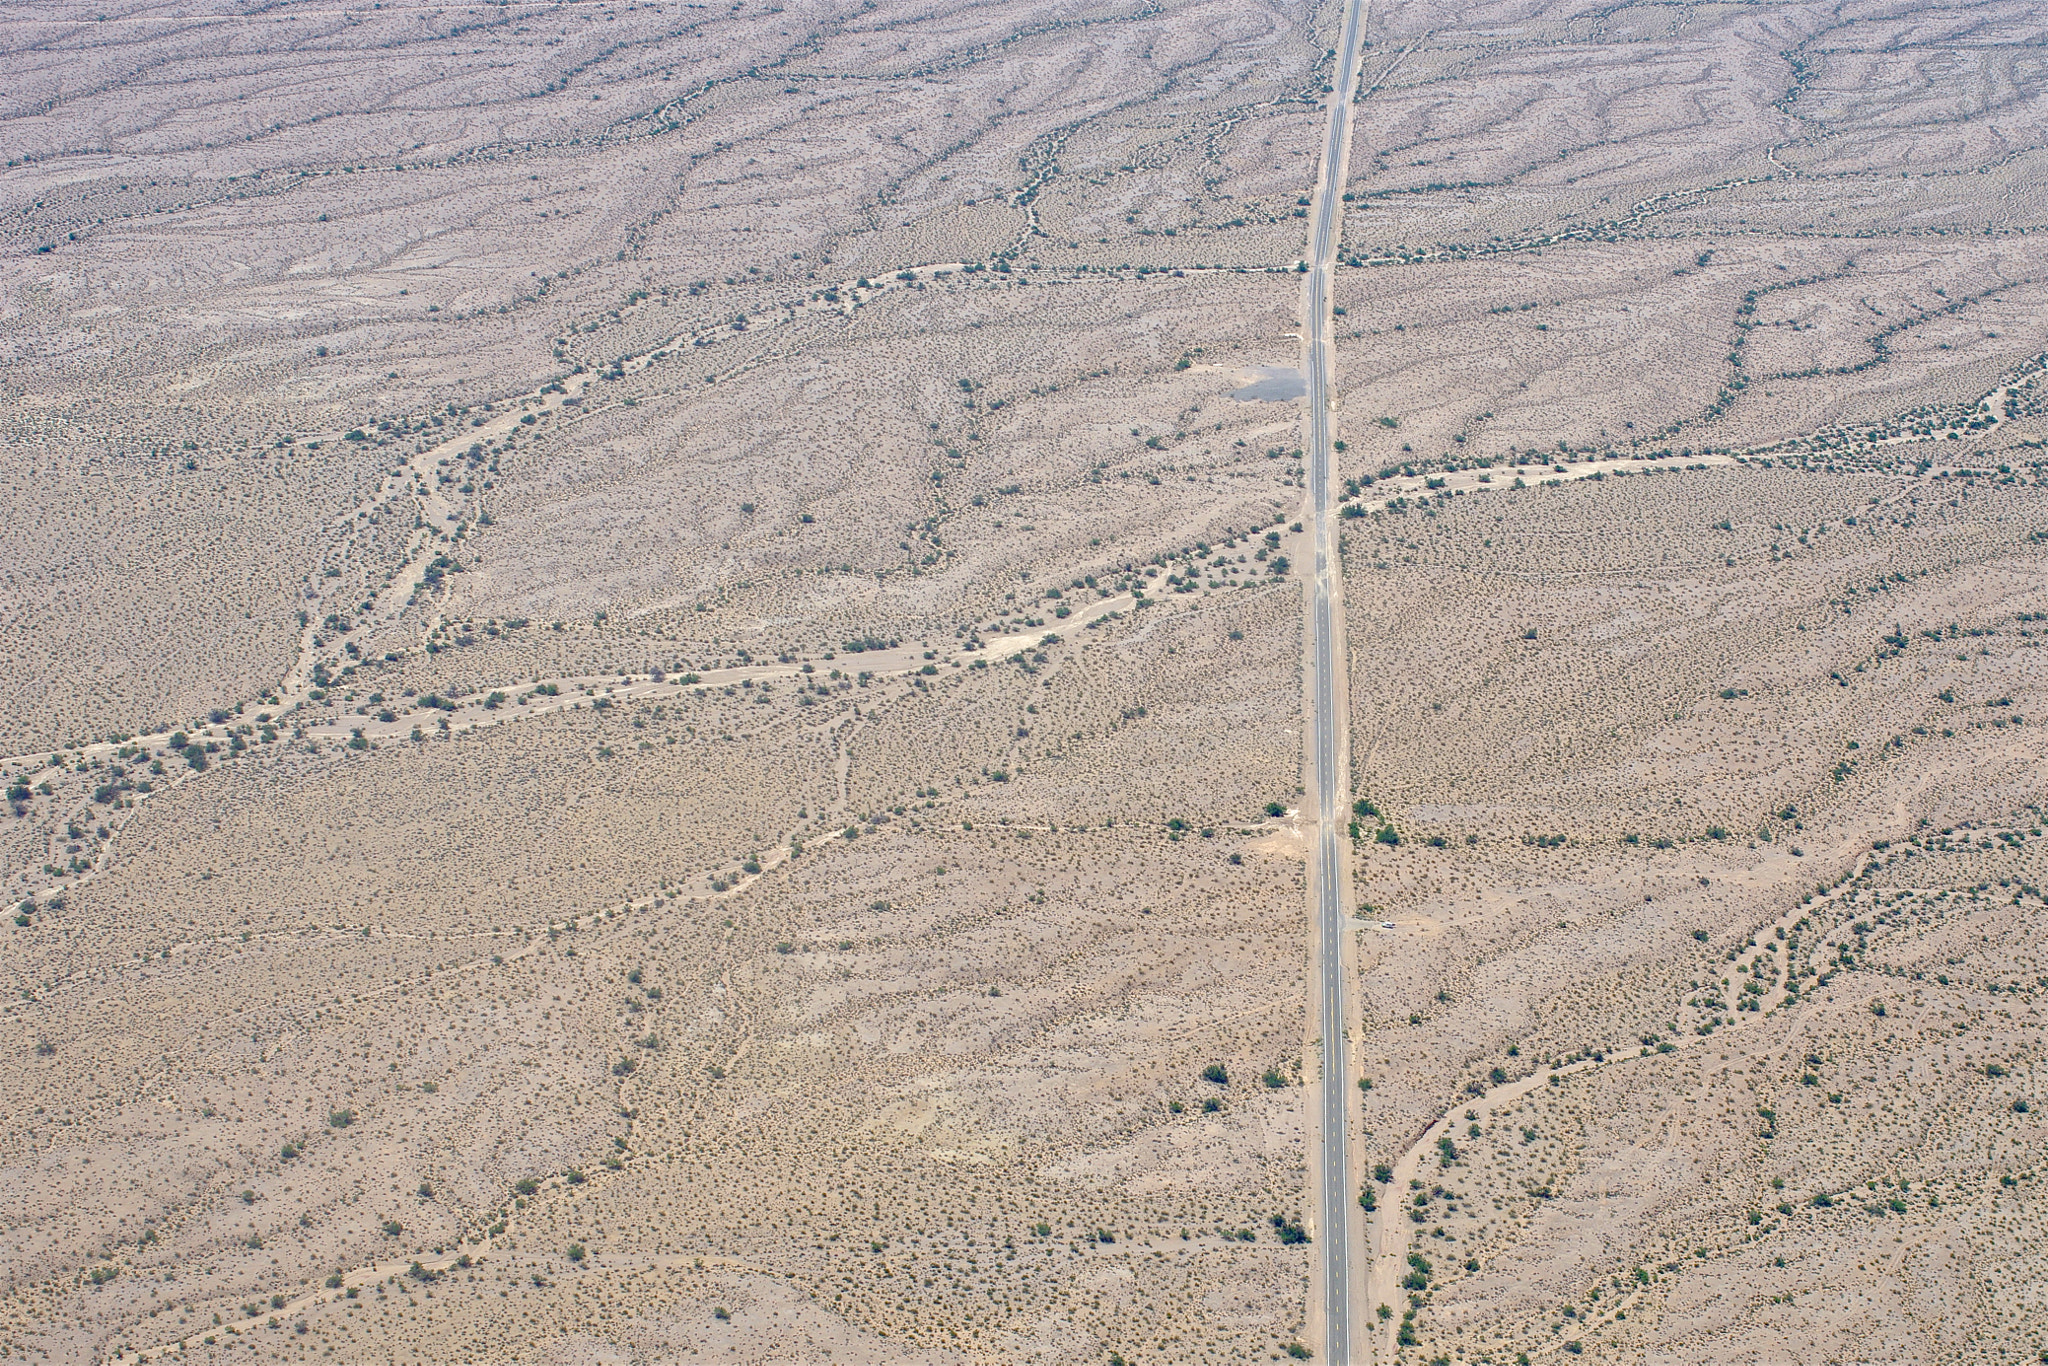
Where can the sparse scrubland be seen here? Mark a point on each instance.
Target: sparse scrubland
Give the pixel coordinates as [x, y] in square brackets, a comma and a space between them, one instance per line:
[655, 676]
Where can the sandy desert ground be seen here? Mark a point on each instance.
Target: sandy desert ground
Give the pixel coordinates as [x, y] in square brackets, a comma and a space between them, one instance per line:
[654, 697]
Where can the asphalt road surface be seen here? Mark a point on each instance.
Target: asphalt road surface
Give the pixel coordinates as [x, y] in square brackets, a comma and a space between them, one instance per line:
[1329, 685]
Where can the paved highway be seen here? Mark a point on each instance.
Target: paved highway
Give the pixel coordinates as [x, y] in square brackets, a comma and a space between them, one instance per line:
[1328, 687]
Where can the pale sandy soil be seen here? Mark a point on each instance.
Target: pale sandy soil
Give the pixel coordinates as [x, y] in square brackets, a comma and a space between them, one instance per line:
[1689, 374]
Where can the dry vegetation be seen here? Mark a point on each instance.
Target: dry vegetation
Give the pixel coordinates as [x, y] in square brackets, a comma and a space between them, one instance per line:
[656, 697]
